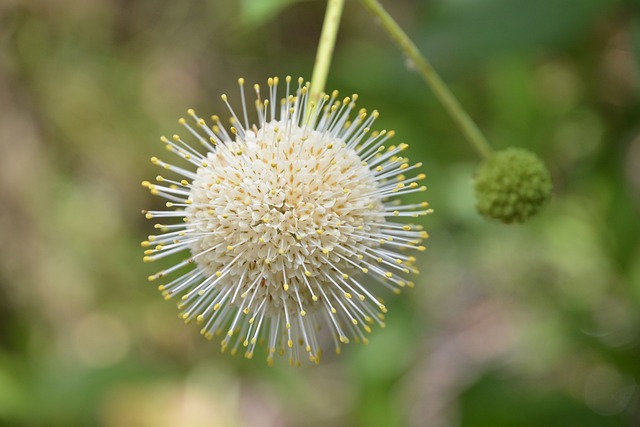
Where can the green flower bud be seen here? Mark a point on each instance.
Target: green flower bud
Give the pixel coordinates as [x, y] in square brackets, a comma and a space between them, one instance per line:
[512, 185]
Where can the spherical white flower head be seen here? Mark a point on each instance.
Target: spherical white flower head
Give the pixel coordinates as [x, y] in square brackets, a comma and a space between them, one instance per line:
[282, 219]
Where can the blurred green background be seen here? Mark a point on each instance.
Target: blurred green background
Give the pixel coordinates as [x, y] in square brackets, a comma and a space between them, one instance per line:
[533, 325]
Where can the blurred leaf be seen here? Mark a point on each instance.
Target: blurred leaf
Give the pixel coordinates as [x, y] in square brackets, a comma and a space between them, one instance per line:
[258, 12]
[12, 395]
[501, 402]
[475, 32]
[635, 39]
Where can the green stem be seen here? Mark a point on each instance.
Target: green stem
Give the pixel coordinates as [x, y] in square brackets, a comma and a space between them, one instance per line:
[433, 80]
[325, 48]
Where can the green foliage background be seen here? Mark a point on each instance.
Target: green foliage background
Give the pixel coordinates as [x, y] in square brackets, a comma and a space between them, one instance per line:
[533, 325]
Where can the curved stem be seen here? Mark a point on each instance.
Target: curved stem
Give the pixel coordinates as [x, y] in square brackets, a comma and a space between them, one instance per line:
[433, 80]
[325, 48]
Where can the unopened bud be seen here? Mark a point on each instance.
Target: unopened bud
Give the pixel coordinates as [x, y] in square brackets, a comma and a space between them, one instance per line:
[513, 185]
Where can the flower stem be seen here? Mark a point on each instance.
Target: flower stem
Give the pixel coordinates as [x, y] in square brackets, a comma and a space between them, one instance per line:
[433, 80]
[325, 48]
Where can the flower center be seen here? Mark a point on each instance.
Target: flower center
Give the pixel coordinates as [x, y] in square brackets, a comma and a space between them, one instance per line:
[282, 216]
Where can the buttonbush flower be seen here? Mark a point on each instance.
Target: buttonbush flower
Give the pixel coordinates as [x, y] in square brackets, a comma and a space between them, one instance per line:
[281, 221]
